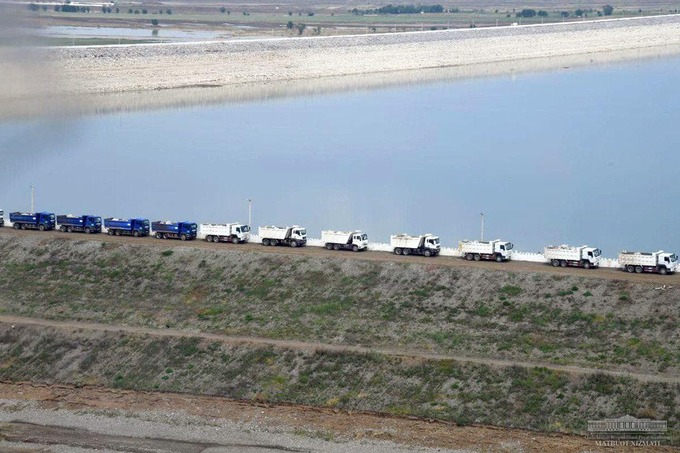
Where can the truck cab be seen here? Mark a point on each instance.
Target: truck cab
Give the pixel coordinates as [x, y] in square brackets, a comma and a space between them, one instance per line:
[299, 235]
[242, 232]
[593, 255]
[141, 226]
[432, 243]
[669, 261]
[504, 249]
[360, 240]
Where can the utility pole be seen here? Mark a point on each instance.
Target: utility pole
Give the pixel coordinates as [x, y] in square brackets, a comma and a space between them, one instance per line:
[32, 199]
[482, 235]
[250, 213]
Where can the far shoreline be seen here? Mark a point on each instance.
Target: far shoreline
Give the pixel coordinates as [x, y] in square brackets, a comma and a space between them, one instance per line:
[108, 79]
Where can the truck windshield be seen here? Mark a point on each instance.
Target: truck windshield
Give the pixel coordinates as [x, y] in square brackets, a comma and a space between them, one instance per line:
[302, 232]
[364, 237]
[509, 246]
[597, 252]
[245, 228]
[146, 223]
[674, 258]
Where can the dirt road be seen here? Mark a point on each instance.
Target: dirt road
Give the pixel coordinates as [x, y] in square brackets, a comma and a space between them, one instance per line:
[315, 346]
[512, 266]
[340, 430]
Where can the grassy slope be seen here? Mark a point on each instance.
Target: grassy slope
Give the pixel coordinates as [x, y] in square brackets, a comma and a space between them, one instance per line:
[465, 311]
[537, 398]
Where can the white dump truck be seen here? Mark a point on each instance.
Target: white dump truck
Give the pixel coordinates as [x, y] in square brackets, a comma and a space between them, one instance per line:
[341, 240]
[293, 236]
[224, 232]
[496, 250]
[564, 255]
[660, 262]
[425, 244]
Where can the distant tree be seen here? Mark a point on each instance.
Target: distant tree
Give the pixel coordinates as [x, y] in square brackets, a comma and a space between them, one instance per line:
[608, 10]
[117, 10]
[223, 10]
[144, 11]
[579, 13]
[136, 11]
[301, 28]
[564, 14]
[33, 7]
[542, 13]
[154, 22]
[310, 14]
[160, 11]
[168, 11]
[290, 13]
[290, 25]
[526, 12]
[130, 11]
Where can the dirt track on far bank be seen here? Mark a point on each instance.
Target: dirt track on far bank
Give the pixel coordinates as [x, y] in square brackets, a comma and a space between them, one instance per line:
[90, 79]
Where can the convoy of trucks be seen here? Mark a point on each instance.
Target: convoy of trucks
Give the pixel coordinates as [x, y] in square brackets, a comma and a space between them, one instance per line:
[174, 230]
[656, 262]
[42, 221]
[564, 255]
[425, 244]
[293, 236]
[79, 224]
[341, 240]
[235, 233]
[486, 250]
[127, 227]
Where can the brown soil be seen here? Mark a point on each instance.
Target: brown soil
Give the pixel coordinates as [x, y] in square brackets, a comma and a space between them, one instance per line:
[292, 418]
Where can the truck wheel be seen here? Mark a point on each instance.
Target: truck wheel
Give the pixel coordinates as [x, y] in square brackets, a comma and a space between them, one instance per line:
[469, 256]
[638, 269]
[87, 231]
[234, 240]
[397, 251]
[183, 237]
[62, 229]
[265, 241]
[406, 252]
[663, 271]
[119, 233]
[111, 232]
[630, 268]
[41, 227]
[273, 242]
[427, 253]
[336, 247]
[16, 226]
[499, 258]
[563, 263]
[293, 243]
[355, 248]
[329, 246]
[586, 265]
[159, 236]
[478, 257]
[135, 234]
[556, 263]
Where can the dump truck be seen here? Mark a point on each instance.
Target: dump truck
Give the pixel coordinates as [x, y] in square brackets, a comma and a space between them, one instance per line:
[79, 223]
[32, 220]
[293, 236]
[174, 230]
[655, 262]
[496, 250]
[235, 232]
[425, 244]
[341, 240]
[565, 255]
[127, 227]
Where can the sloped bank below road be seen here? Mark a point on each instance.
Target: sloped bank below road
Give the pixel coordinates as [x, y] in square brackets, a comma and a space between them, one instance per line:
[529, 317]
[535, 398]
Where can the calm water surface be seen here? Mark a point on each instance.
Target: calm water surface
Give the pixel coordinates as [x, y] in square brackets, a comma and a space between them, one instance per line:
[575, 156]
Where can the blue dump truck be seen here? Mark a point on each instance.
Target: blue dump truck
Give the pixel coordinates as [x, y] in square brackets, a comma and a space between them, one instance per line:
[174, 230]
[127, 227]
[82, 224]
[32, 220]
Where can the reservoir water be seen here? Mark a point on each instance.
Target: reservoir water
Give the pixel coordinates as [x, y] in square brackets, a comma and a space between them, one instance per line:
[587, 155]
